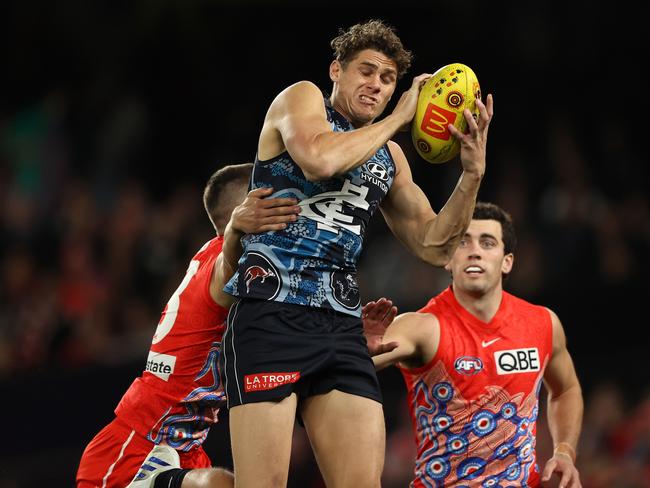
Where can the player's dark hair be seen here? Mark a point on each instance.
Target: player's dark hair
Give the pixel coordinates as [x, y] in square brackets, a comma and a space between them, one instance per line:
[217, 198]
[490, 211]
[373, 34]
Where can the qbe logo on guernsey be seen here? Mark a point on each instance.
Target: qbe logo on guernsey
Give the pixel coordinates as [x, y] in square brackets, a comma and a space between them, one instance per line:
[514, 361]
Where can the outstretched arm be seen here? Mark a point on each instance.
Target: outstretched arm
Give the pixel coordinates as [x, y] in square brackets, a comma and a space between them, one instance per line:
[255, 214]
[565, 408]
[434, 238]
[416, 334]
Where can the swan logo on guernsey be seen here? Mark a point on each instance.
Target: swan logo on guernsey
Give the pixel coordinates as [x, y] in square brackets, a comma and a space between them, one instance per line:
[268, 381]
[160, 365]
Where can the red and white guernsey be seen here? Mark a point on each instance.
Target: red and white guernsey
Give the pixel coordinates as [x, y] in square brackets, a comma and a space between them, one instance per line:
[474, 406]
[177, 398]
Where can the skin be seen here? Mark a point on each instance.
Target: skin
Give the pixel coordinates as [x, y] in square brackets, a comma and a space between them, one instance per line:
[476, 268]
[296, 122]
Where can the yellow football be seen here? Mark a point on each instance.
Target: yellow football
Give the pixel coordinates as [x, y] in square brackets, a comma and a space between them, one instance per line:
[444, 96]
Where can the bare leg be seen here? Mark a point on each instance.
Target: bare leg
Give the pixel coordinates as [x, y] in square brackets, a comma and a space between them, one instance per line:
[260, 435]
[348, 436]
[209, 478]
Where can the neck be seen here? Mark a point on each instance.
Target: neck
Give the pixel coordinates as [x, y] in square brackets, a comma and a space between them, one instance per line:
[483, 305]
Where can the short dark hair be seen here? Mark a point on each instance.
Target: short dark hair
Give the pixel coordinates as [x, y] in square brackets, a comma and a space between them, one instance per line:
[490, 211]
[217, 199]
[373, 34]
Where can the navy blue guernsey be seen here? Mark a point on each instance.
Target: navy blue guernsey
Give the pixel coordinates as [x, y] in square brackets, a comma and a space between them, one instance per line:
[313, 260]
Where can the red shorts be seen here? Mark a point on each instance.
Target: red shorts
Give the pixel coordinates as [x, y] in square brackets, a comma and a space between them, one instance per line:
[114, 456]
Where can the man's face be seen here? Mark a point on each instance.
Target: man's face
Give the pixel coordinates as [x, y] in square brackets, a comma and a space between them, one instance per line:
[479, 260]
[363, 88]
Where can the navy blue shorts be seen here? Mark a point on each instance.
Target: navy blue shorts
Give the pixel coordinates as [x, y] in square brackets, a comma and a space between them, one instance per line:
[272, 349]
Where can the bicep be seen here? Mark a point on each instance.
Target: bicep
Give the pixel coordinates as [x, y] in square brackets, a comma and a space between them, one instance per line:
[560, 373]
[299, 116]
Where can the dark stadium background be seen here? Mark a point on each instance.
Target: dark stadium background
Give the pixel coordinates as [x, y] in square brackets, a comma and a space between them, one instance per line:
[114, 114]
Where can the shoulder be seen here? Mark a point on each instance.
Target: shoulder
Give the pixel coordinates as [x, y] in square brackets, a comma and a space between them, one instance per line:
[303, 96]
[396, 151]
[300, 89]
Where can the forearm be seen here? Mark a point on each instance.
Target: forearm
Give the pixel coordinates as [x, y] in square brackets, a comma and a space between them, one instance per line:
[231, 251]
[336, 153]
[440, 236]
[565, 417]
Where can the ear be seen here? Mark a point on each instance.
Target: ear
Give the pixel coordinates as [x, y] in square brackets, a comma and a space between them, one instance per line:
[508, 261]
[335, 70]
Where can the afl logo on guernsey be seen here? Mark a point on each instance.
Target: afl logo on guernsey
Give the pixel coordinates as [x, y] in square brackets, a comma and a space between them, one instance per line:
[468, 365]
[261, 277]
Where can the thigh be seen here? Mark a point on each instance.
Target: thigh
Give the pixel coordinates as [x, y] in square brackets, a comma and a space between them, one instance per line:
[261, 435]
[112, 458]
[347, 434]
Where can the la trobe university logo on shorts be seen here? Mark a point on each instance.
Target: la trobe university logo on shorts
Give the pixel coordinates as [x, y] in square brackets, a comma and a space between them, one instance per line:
[513, 361]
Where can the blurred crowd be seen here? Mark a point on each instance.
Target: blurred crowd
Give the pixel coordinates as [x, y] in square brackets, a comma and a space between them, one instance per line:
[87, 263]
[96, 229]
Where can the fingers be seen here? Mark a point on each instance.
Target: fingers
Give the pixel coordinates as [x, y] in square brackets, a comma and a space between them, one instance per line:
[260, 192]
[420, 80]
[388, 347]
[548, 470]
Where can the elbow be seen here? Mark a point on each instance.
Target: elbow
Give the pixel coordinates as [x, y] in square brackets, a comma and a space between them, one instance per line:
[438, 259]
[437, 255]
[316, 169]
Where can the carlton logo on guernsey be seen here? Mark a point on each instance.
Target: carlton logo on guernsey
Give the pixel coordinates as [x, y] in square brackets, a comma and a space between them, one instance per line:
[474, 406]
[313, 260]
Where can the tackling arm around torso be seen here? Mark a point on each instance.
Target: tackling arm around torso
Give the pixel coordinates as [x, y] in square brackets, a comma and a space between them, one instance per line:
[255, 214]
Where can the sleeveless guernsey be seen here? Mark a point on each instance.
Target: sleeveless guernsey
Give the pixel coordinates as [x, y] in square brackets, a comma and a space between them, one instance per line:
[313, 261]
[474, 406]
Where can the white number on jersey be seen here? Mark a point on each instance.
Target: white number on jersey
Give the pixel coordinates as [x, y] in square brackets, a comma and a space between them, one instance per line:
[169, 317]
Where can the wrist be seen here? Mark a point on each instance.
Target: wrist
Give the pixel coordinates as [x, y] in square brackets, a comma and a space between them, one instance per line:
[565, 449]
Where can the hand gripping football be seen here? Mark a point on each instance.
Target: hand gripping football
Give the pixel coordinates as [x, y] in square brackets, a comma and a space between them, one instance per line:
[442, 100]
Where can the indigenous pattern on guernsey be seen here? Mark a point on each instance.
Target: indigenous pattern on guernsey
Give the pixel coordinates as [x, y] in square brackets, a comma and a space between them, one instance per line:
[313, 261]
[186, 426]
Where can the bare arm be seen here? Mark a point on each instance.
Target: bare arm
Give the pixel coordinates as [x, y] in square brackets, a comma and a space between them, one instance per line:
[565, 409]
[297, 122]
[255, 214]
[434, 238]
[417, 336]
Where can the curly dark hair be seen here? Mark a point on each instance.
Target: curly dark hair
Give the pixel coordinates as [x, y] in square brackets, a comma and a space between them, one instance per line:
[373, 34]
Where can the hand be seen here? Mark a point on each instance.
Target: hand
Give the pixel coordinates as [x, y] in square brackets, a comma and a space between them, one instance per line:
[377, 316]
[562, 465]
[473, 143]
[258, 214]
[408, 102]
